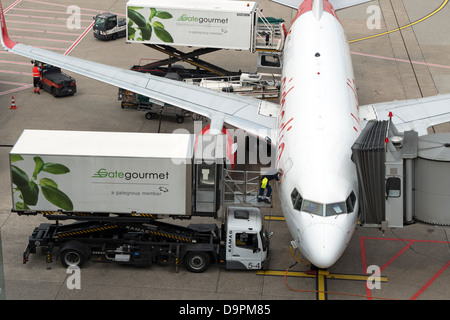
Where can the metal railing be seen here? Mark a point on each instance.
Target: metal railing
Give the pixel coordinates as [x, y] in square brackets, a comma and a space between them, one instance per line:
[241, 188]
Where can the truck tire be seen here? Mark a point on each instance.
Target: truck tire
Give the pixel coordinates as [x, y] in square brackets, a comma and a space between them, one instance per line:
[196, 262]
[73, 254]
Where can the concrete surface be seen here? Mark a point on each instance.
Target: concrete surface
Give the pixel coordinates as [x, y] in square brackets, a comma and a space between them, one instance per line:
[407, 64]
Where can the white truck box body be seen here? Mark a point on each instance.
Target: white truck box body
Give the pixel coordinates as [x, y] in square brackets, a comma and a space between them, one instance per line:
[196, 23]
[104, 171]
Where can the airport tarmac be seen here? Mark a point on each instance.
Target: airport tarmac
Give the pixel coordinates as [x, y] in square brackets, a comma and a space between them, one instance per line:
[411, 63]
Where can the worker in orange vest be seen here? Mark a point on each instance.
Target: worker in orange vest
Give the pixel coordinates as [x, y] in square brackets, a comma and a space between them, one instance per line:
[36, 77]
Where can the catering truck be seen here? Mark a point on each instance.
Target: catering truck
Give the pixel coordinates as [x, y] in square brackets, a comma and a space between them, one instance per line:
[198, 23]
[116, 186]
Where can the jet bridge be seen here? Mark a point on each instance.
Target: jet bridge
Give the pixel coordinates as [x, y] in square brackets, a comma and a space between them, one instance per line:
[402, 177]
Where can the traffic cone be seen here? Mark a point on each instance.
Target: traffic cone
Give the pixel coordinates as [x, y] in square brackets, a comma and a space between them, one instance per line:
[13, 104]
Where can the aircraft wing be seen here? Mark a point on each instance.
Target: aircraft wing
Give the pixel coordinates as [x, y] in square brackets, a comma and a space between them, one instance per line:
[257, 117]
[413, 114]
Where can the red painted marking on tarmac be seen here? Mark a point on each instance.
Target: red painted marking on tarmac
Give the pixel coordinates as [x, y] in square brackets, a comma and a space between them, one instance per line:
[41, 17]
[51, 11]
[46, 31]
[43, 39]
[400, 60]
[65, 6]
[15, 62]
[398, 254]
[16, 72]
[433, 278]
[79, 38]
[11, 6]
[38, 23]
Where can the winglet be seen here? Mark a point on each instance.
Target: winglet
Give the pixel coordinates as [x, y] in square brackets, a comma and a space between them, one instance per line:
[7, 43]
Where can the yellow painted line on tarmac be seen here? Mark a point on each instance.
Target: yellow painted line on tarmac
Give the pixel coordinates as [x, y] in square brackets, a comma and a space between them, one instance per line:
[321, 279]
[274, 218]
[443, 4]
[282, 273]
[321, 285]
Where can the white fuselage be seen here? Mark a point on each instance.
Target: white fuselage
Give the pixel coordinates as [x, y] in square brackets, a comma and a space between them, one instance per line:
[318, 124]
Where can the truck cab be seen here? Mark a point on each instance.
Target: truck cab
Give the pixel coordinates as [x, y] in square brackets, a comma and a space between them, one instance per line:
[247, 242]
[108, 26]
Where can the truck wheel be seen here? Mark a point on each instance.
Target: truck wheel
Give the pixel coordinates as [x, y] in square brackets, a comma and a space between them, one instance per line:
[180, 119]
[53, 91]
[149, 115]
[197, 261]
[73, 254]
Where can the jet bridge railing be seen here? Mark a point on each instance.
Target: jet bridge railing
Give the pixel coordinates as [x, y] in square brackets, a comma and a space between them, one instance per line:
[269, 34]
[241, 187]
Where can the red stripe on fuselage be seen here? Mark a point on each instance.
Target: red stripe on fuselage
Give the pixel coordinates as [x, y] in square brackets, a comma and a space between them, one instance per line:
[307, 5]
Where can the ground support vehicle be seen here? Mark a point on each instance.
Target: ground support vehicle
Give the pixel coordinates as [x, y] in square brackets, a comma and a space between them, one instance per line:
[151, 108]
[118, 187]
[108, 26]
[241, 242]
[56, 82]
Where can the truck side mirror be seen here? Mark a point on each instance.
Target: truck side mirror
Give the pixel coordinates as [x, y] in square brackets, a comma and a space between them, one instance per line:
[256, 247]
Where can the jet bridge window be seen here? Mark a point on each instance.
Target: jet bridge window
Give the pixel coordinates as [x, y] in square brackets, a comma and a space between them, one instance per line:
[296, 199]
[393, 187]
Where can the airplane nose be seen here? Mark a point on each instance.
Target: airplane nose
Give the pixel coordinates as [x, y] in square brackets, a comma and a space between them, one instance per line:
[324, 244]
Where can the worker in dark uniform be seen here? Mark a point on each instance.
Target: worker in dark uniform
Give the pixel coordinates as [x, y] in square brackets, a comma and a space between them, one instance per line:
[265, 184]
[36, 77]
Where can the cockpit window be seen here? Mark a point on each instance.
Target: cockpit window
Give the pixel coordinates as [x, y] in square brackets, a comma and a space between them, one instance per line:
[296, 199]
[333, 209]
[351, 201]
[312, 207]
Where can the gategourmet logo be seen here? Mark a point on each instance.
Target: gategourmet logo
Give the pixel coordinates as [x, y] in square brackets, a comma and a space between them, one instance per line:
[129, 175]
[201, 20]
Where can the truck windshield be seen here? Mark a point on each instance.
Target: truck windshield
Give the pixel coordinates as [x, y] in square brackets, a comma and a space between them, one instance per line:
[100, 23]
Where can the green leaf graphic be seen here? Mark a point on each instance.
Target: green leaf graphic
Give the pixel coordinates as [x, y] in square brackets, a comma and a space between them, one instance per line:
[163, 15]
[158, 24]
[39, 163]
[16, 157]
[152, 14]
[47, 182]
[146, 32]
[55, 168]
[21, 206]
[137, 18]
[19, 177]
[30, 193]
[163, 34]
[57, 197]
